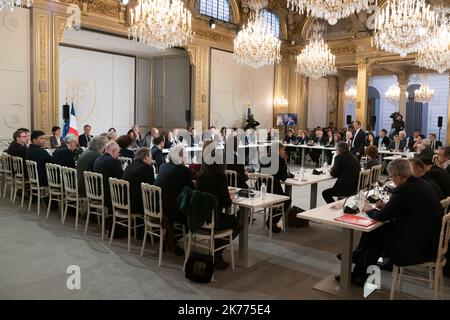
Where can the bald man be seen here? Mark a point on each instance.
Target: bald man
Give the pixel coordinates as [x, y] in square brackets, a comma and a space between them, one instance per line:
[110, 167]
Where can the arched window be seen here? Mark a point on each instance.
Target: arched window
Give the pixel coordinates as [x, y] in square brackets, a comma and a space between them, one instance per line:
[272, 20]
[218, 9]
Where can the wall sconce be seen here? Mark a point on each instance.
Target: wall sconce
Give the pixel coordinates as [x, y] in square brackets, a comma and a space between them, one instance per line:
[281, 102]
[212, 23]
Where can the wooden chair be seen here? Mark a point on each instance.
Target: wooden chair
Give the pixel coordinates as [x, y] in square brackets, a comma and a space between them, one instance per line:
[55, 187]
[435, 268]
[231, 178]
[208, 234]
[258, 180]
[121, 208]
[125, 161]
[72, 198]
[95, 198]
[19, 178]
[8, 175]
[35, 188]
[375, 173]
[363, 181]
[2, 173]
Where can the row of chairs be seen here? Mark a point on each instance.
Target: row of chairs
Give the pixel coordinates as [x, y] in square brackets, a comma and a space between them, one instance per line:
[369, 178]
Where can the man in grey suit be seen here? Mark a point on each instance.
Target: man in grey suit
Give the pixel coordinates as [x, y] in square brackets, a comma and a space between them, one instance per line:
[87, 159]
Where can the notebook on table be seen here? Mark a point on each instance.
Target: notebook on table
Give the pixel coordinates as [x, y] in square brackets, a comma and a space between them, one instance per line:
[356, 220]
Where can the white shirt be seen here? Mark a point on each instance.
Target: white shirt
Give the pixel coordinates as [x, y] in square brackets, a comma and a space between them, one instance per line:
[353, 141]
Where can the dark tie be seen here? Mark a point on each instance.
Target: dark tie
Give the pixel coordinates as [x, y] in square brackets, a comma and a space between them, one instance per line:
[432, 145]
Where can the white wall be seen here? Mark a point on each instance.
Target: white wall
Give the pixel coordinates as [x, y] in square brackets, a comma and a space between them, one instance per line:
[15, 111]
[234, 86]
[101, 86]
[317, 103]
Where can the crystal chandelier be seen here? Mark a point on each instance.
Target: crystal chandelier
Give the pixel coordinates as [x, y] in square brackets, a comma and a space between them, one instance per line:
[424, 94]
[10, 4]
[404, 26]
[161, 24]
[316, 59]
[351, 92]
[255, 45]
[281, 102]
[437, 55]
[392, 95]
[330, 10]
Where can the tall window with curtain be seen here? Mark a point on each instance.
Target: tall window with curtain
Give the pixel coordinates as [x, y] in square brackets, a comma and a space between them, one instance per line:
[273, 21]
[218, 9]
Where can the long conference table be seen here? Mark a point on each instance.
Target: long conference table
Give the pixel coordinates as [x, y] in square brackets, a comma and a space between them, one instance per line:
[327, 214]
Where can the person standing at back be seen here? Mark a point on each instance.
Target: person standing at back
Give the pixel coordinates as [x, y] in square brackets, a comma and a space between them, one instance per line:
[359, 140]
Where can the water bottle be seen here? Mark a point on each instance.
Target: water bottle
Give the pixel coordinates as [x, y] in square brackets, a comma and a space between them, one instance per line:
[263, 191]
[302, 173]
[325, 167]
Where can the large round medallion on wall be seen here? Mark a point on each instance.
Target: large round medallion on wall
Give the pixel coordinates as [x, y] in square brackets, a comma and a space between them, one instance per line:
[78, 85]
[13, 116]
[10, 21]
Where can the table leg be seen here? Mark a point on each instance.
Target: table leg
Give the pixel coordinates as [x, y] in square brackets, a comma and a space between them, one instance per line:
[346, 262]
[313, 196]
[323, 156]
[288, 190]
[303, 157]
[243, 236]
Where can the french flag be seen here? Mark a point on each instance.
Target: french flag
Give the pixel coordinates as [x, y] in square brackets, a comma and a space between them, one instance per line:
[73, 126]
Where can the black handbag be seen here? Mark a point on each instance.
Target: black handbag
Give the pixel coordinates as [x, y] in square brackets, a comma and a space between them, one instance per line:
[199, 268]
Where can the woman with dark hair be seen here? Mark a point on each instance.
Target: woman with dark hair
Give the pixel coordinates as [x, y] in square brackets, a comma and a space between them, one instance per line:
[169, 141]
[125, 145]
[371, 140]
[223, 134]
[112, 130]
[372, 157]
[211, 178]
[56, 140]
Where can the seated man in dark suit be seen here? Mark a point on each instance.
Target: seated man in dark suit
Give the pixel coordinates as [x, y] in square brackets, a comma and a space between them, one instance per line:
[37, 153]
[18, 147]
[415, 216]
[434, 145]
[141, 170]
[157, 153]
[383, 139]
[435, 173]
[346, 169]
[110, 167]
[419, 172]
[397, 144]
[64, 155]
[86, 137]
[87, 159]
[443, 158]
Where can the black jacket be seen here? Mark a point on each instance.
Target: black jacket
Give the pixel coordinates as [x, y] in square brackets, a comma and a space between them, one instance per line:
[415, 213]
[41, 157]
[240, 170]
[17, 150]
[158, 157]
[83, 140]
[54, 143]
[346, 169]
[278, 177]
[85, 163]
[218, 186]
[135, 174]
[441, 177]
[109, 168]
[172, 179]
[384, 141]
[436, 145]
[126, 153]
[358, 143]
[64, 157]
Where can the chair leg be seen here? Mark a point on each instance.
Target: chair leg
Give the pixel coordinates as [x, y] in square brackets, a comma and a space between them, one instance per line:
[187, 252]
[61, 207]
[232, 252]
[270, 223]
[151, 236]
[39, 203]
[23, 196]
[436, 284]
[14, 196]
[144, 240]
[161, 240]
[129, 234]
[31, 199]
[63, 220]
[284, 218]
[87, 219]
[49, 205]
[76, 215]
[394, 282]
[103, 223]
[113, 227]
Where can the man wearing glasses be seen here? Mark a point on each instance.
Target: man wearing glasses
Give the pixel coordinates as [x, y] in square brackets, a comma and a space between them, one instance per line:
[19, 146]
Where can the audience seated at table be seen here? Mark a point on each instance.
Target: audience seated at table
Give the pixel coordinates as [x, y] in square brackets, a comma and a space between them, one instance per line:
[157, 153]
[173, 176]
[320, 141]
[346, 169]
[435, 173]
[302, 137]
[140, 171]
[419, 171]
[434, 145]
[37, 153]
[290, 138]
[137, 141]
[86, 137]
[443, 158]
[383, 139]
[110, 167]
[280, 174]
[56, 140]
[211, 178]
[87, 159]
[372, 157]
[19, 145]
[371, 140]
[125, 143]
[169, 140]
[411, 237]
[64, 155]
[397, 145]
[148, 139]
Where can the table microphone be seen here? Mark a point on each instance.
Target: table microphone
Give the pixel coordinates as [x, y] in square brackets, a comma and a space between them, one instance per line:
[350, 209]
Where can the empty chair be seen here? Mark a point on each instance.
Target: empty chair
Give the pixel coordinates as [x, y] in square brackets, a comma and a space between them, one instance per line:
[121, 209]
[8, 175]
[207, 235]
[259, 179]
[95, 200]
[364, 180]
[125, 161]
[55, 187]
[35, 188]
[71, 197]
[435, 268]
[231, 178]
[19, 178]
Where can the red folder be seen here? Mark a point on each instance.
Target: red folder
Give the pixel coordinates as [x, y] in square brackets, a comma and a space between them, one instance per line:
[357, 220]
